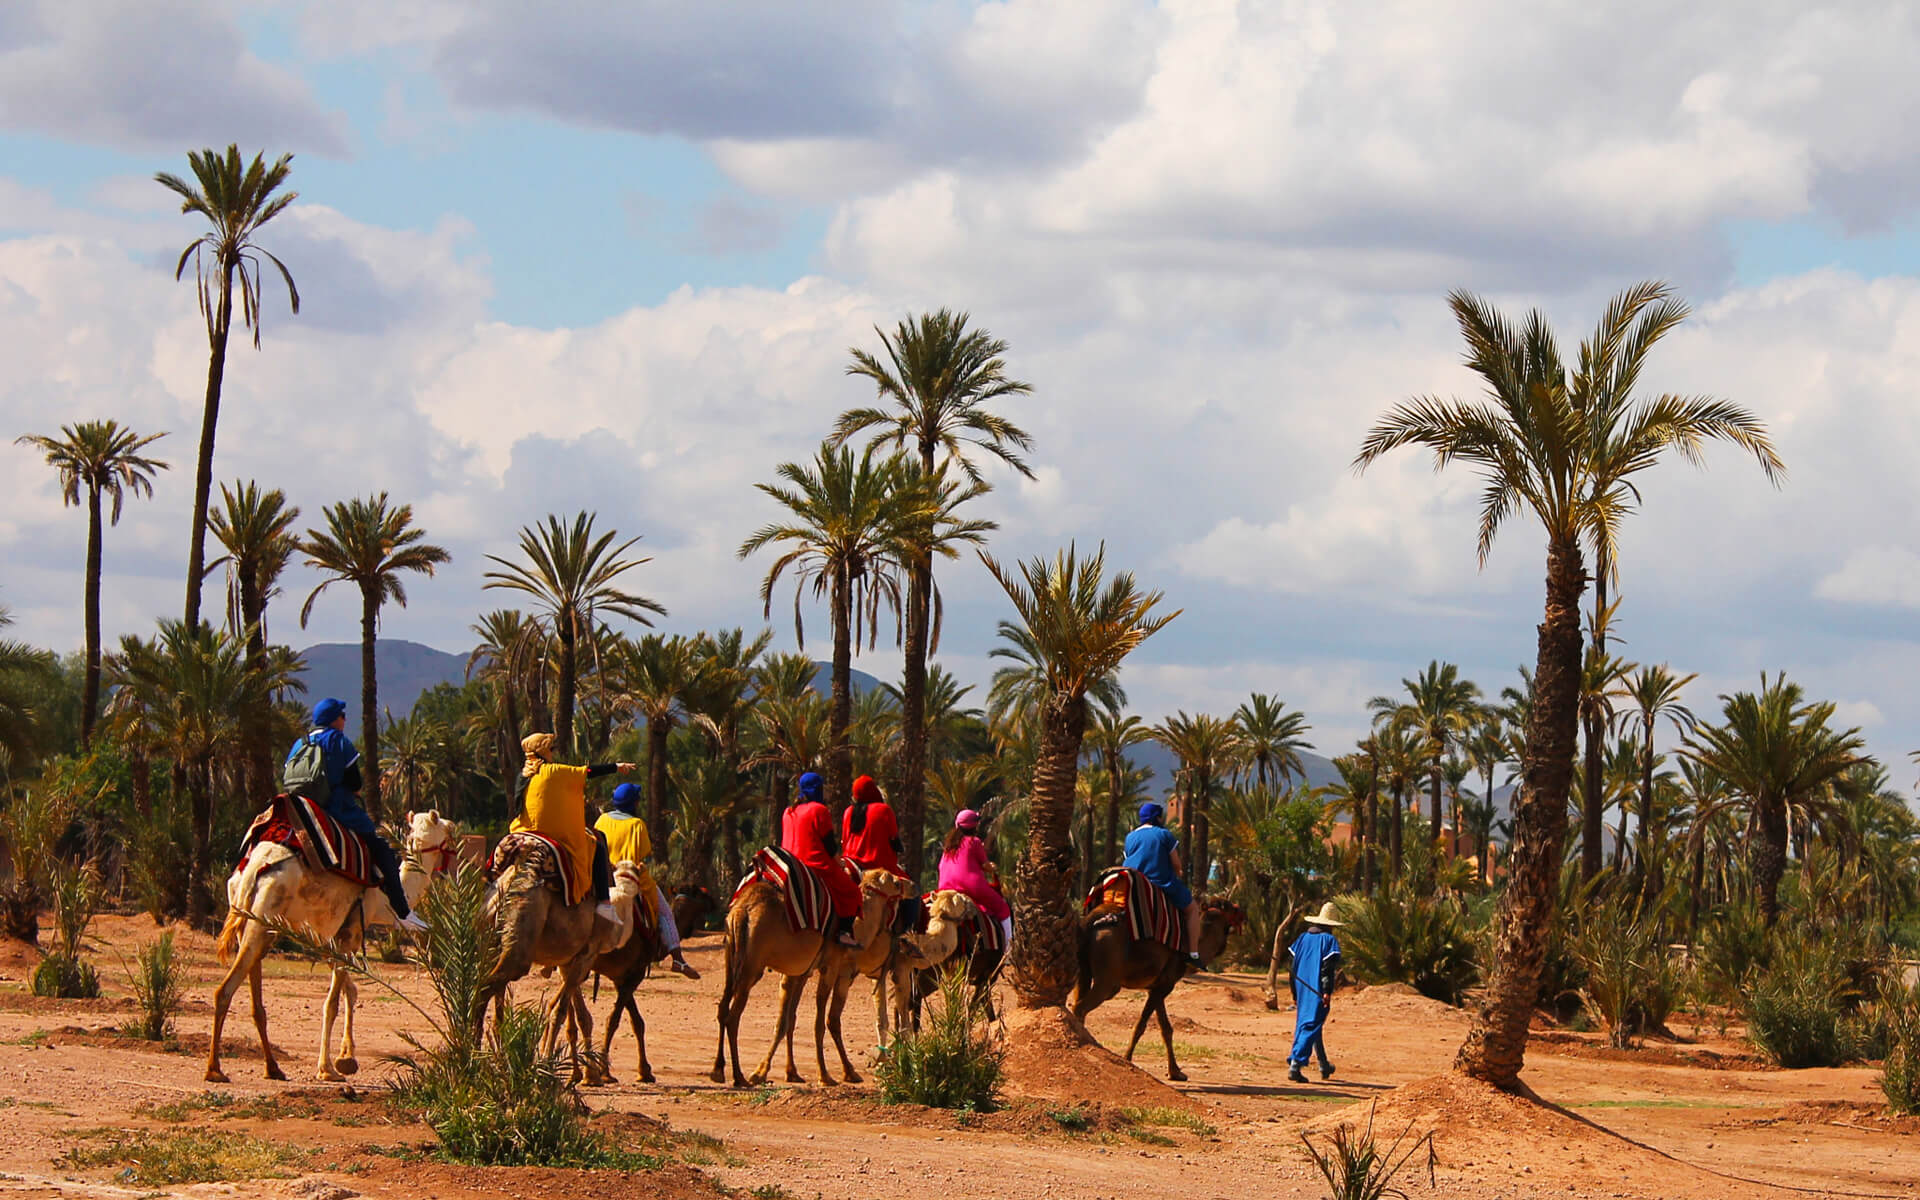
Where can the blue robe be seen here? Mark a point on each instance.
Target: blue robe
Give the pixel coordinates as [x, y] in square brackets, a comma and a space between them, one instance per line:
[337, 754]
[1316, 956]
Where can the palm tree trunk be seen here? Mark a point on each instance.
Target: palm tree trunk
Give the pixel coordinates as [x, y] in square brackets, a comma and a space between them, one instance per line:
[1113, 808]
[140, 777]
[1396, 834]
[200, 795]
[1696, 885]
[90, 691]
[369, 700]
[1643, 842]
[657, 731]
[209, 421]
[1086, 851]
[1044, 961]
[1770, 857]
[1592, 818]
[910, 763]
[1372, 823]
[1497, 1039]
[840, 717]
[563, 701]
[1202, 825]
[1436, 814]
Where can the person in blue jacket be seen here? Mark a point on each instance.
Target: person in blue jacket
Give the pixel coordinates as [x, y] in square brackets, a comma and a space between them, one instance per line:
[1154, 851]
[341, 761]
[1315, 962]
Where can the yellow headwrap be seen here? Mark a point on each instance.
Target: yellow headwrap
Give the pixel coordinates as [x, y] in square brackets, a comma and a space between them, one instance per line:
[538, 748]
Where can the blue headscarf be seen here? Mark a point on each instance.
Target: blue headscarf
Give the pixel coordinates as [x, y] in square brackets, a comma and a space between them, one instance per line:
[811, 786]
[626, 797]
[327, 712]
[1151, 813]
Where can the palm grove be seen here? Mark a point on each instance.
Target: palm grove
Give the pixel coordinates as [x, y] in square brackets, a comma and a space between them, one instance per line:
[1534, 848]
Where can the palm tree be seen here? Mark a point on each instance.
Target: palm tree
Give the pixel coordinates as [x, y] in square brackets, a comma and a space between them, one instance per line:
[1111, 735]
[1017, 695]
[1564, 445]
[1208, 748]
[412, 757]
[1357, 787]
[510, 660]
[1653, 692]
[1441, 707]
[23, 669]
[1400, 757]
[368, 543]
[237, 201]
[96, 457]
[1600, 676]
[658, 672]
[938, 381]
[573, 575]
[1777, 750]
[1081, 625]
[853, 523]
[1273, 739]
[255, 528]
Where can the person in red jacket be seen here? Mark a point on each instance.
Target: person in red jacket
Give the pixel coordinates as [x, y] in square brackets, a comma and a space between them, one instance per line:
[806, 832]
[869, 831]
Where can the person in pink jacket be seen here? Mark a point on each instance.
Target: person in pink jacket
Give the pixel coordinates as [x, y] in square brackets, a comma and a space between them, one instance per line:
[964, 869]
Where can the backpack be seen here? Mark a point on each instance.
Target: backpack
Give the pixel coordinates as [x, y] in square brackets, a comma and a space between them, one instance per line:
[305, 773]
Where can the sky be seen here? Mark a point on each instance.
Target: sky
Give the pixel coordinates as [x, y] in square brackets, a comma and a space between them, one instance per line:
[614, 258]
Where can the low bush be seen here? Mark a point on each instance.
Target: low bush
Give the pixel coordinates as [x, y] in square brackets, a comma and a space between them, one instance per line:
[159, 984]
[63, 973]
[1356, 1167]
[1798, 1007]
[1899, 1017]
[1631, 983]
[951, 1063]
[159, 864]
[1397, 936]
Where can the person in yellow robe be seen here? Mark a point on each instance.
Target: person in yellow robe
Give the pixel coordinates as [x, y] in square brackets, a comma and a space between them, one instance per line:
[555, 804]
[628, 842]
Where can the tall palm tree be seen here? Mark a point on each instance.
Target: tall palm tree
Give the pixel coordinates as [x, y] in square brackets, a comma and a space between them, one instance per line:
[1357, 786]
[1017, 695]
[1564, 445]
[237, 200]
[1273, 738]
[255, 528]
[1653, 693]
[851, 523]
[1600, 676]
[23, 669]
[1208, 748]
[937, 384]
[658, 673]
[1082, 625]
[1777, 749]
[95, 458]
[1441, 707]
[574, 576]
[412, 758]
[369, 543]
[1400, 756]
[509, 660]
[1110, 735]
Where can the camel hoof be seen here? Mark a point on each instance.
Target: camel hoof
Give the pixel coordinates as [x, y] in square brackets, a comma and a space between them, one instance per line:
[332, 1077]
[826, 1081]
[216, 1075]
[274, 1071]
[853, 1077]
[796, 1077]
[346, 1066]
[1177, 1075]
[647, 1076]
[719, 1075]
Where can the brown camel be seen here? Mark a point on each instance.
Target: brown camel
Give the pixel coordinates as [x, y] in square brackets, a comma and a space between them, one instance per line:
[1111, 959]
[537, 927]
[874, 959]
[761, 939]
[274, 884]
[692, 905]
[626, 966]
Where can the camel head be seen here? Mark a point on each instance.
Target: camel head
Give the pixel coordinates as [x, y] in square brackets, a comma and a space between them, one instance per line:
[885, 885]
[1220, 919]
[433, 840]
[951, 907]
[628, 878]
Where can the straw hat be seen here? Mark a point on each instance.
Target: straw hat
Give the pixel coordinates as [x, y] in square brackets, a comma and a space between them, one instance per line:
[1325, 916]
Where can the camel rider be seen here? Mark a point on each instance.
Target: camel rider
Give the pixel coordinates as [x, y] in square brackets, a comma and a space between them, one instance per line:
[1154, 851]
[628, 842]
[1314, 965]
[806, 832]
[869, 831]
[555, 804]
[341, 761]
[964, 868]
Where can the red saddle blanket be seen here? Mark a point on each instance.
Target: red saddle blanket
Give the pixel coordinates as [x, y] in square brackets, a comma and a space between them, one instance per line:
[324, 843]
[802, 892]
[549, 860]
[1149, 914]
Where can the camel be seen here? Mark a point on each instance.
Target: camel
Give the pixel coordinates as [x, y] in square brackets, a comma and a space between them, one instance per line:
[760, 939]
[923, 955]
[625, 959]
[1110, 959]
[691, 903]
[274, 883]
[877, 960]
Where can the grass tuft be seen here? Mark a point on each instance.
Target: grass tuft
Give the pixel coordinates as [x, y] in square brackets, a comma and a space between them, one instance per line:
[951, 1063]
[186, 1156]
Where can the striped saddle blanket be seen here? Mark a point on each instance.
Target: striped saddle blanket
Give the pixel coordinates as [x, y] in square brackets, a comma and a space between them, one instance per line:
[802, 892]
[981, 933]
[1149, 915]
[324, 843]
[549, 860]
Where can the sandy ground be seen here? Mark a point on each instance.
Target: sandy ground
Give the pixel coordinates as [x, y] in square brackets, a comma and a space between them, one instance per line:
[1701, 1118]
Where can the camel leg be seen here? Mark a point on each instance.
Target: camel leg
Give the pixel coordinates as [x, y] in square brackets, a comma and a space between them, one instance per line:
[260, 1021]
[880, 999]
[833, 1024]
[1158, 1003]
[336, 988]
[613, 1025]
[639, 1024]
[253, 946]
[348, 1063]
[1139, 1027]
[791, 987]
[825, 986]
[728, 986]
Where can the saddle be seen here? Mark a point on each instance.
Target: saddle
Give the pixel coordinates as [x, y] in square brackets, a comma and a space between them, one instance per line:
[803, 894]
[323, 843]
[1128, 898]
[543, 855]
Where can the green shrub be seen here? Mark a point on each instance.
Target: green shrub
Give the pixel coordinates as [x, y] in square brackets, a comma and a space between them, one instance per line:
[1733, 944]
[62, 973]
[458, 950]
[1631, 984]
[1797, 1007]
[951, 1063]
[1397, 936]
[1899, 1018]
[1356, 1167]
[159, 869]
[159, 983]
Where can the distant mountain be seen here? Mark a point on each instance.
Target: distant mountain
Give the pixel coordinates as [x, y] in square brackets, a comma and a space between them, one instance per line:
[1320, 771]
[404, 670]
[823, 680]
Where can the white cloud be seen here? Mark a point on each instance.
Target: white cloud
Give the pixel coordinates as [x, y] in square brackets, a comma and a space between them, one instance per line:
[1887, 576]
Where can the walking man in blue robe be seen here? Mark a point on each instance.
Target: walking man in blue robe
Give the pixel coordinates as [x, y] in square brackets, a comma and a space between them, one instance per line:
[1315, 962]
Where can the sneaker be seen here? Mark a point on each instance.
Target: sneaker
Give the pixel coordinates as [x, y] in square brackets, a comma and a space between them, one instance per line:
[1294, 1074]
[681, 966]
[847, 940]
[412, 923]
[608, 913]
[1326, 1072]
[1194, 960]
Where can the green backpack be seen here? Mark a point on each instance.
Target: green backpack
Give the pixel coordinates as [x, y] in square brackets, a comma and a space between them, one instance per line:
[305, 773]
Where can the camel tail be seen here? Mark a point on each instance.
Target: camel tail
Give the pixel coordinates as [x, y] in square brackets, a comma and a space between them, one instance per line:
[230, 935]
[239, 905]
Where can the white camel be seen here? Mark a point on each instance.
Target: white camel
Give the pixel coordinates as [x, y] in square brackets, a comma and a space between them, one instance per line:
[275, 884]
